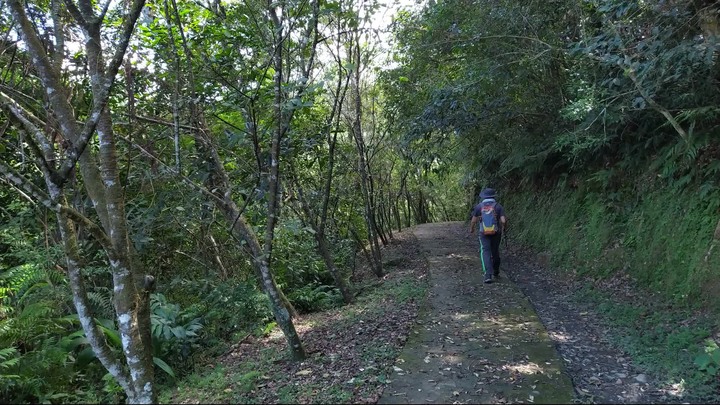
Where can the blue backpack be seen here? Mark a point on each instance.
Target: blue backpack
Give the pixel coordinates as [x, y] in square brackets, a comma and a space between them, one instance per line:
[489, 221]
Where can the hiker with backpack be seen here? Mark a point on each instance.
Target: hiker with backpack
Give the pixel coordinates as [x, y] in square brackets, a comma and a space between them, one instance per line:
[488, 217]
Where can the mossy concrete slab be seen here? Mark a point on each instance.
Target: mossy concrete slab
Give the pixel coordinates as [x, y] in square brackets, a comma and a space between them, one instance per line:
[474, 343]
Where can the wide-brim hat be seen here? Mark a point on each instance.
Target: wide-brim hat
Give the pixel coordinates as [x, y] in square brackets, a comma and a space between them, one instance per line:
[488, 193]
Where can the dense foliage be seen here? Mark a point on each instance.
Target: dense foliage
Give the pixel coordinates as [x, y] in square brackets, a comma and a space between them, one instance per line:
[274, 117]
[608, 109]
[246, 103]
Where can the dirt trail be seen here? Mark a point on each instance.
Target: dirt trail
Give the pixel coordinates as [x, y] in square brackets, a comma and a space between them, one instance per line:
[601, 373]
[474, 343]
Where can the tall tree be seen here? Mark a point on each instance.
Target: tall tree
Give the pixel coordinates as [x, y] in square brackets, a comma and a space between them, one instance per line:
[284, 43]
[316, 214]
[61, 144]
[355, 117]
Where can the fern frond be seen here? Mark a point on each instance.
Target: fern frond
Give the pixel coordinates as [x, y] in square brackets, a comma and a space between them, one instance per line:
[20, 281]
[37, 310]
[7, 352]
[101, 302]
[8, 358]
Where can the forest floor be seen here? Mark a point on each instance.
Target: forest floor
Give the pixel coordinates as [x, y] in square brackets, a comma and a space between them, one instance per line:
[431, 332]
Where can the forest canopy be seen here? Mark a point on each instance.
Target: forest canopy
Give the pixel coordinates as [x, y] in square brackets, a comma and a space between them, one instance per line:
[176, 174]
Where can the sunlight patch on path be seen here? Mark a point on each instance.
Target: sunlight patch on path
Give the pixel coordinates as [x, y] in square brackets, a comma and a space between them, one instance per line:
[476, 343]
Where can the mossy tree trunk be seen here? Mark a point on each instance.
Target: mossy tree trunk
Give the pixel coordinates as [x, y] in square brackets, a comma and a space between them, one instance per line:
[132, 368]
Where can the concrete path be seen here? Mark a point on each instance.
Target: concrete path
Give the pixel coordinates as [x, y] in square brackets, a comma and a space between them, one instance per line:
[474, 343]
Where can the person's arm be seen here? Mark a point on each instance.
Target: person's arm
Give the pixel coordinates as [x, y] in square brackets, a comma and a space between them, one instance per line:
[503, 219]
[473, 221]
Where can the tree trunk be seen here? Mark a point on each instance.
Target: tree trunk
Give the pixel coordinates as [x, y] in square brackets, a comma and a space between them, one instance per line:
[242, 230]
[334, 272]
[408, 209]
[219, 180]
[103, 186]
[357, 133]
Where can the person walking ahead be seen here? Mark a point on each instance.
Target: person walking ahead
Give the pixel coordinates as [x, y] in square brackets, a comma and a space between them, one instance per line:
[488, 218]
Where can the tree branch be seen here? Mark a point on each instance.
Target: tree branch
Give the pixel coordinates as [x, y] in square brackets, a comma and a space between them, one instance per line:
[42, 198]
[75, 12]
[109, 79]
[42, 147]
[187, 180]
[657, 107]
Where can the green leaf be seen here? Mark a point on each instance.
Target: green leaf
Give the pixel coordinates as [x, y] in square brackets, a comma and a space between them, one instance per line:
[702, 361]
[179, 332]
[72, 344]
[167, 332]
[164, 366]
[715, 356]
[112, 336]
[10, 363]
[85, 357]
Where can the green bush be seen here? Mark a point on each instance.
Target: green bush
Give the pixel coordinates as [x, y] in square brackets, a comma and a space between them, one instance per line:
[313, 298]
[661, 238]
[37, 363]
[709, 361]
[175, 332]
[225, 308]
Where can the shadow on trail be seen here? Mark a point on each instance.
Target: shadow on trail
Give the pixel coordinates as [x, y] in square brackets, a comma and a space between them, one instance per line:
[474, 343]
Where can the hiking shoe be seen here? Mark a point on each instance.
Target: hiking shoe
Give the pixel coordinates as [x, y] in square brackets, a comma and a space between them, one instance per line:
[488, 281]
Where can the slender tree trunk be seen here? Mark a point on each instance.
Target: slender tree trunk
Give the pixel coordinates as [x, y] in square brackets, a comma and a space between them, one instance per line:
[357, 133]
[396, 212]
[334, 271]
[103, 186]
[408, 209]
[361, 244]
[242, 230]
[219, 179]
[380, 223]
[318, 227]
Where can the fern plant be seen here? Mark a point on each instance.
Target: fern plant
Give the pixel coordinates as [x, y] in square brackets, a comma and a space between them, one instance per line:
[9, 359]
[175, 332]
[34, 365]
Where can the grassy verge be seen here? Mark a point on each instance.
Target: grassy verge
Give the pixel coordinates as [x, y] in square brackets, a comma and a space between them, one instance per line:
[649, 270]
[665, 341]
[351, 349]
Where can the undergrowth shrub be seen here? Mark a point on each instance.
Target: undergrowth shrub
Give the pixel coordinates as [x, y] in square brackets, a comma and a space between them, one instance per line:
[226, 308]
[662, 239]
[175, 332]
[38, 362]
[312, 298]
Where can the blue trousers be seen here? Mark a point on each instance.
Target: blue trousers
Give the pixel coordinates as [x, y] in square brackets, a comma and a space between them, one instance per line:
[490, 255]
